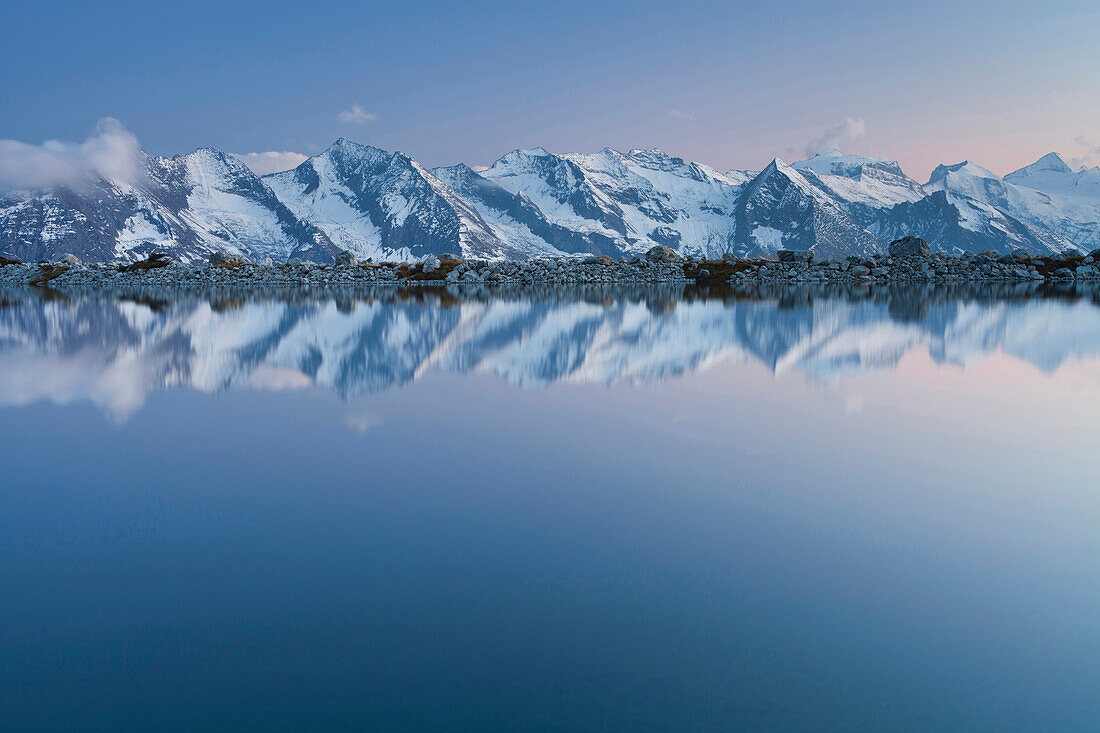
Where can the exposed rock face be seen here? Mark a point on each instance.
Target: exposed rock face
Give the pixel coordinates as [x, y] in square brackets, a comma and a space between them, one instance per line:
[431, 263]
[783, 209]
[910, 247]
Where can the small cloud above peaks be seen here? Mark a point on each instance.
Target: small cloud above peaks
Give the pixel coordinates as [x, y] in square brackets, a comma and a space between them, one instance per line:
[356, 116]
[272, 161]
[681, 115]
[838, 138]
[1089, 154]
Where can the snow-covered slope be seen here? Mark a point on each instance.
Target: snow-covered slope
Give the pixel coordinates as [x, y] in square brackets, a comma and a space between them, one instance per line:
[667, 200]
[992, 211]
[1064, 200]
[187, 206]
[626, 202]
[516, 220]
[383, 205]
[229, 208]
[860, 182]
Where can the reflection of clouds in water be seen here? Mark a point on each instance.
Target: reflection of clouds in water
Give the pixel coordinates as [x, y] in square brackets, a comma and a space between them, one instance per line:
[362, 422]
[277, 379]
[113, 354]
[116, 385]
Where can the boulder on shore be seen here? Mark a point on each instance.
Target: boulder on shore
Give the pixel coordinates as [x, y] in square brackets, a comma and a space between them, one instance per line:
[661, 253]
[221, 259]
[795, 255]
[347, 259]
[910, 247]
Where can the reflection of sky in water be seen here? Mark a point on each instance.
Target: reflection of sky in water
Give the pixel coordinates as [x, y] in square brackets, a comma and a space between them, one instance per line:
[828, 518]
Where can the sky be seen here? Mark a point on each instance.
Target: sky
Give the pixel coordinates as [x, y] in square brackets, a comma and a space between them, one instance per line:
[728, 84]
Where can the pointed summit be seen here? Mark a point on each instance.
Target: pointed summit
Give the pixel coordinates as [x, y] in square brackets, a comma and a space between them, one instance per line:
[1051, 163]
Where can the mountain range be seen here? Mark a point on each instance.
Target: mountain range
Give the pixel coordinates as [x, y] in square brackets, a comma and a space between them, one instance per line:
[533, 203]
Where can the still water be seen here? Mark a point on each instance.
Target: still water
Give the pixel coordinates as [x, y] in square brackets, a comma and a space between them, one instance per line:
[616, 513]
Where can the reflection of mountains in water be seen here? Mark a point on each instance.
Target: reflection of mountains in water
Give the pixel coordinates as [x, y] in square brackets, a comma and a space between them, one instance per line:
[114, 353]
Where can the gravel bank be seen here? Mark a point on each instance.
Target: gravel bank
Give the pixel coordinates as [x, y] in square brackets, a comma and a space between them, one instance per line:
[909, 263]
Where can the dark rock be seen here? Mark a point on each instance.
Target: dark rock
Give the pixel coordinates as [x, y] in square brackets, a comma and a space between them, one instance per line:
[48, 272]
[347, 259]
[221, 259]
[153, 262]
[795, 255]
[910, 247]
[661, 253]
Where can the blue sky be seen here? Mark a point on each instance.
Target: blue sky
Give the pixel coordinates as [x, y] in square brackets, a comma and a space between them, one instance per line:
[729, 84]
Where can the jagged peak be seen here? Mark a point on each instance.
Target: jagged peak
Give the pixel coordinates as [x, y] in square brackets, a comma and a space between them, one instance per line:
[206, 152]
[522, 157]
[343, 147]
[780, 165]
[461, 168]
[214, 161]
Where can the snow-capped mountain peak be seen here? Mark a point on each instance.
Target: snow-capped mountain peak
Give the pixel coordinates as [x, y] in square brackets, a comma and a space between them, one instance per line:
[1049, 163]
[959, 171]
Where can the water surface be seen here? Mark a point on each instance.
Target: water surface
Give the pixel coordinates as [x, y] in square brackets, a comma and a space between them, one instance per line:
[633, 512]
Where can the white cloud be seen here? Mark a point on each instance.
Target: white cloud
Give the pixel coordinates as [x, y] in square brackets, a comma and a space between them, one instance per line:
[1088, 155]
[356, 116]
[839, 137]
[681, 115]
[113, 152]
[273, 161]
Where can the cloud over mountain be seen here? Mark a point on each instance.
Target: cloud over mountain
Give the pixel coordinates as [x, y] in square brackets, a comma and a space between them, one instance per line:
[113, 152]
[839, 137]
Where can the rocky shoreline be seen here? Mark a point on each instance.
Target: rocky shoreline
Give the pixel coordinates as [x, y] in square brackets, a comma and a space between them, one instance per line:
[909, 261]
